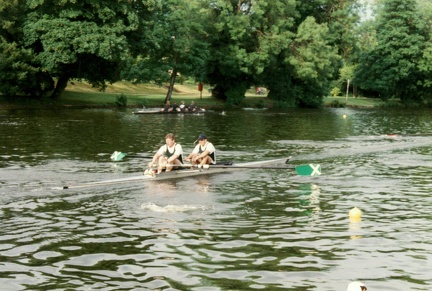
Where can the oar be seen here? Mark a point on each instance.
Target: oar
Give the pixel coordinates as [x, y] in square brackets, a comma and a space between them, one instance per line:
[118, 156]
[308, 170]
[302, 170]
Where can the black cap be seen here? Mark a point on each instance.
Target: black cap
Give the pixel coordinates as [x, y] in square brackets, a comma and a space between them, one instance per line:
[202, 136]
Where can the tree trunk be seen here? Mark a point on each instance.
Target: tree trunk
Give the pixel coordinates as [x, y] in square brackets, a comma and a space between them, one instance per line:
[171, 85]
[60, 87]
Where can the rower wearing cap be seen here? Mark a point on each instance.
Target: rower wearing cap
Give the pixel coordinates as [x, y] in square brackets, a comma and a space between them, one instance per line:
[204, 153]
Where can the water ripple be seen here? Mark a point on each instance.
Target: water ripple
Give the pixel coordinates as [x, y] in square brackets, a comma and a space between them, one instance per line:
[240, 231]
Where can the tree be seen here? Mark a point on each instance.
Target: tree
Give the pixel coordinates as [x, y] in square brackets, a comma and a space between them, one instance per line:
[11, 12]
[425, 63]
[301, 77]
[78, 39]
[20, 73]
[178, 45]
[341, 17]
[245, 36]
[19, 70]
[275, 44]
[390, 69]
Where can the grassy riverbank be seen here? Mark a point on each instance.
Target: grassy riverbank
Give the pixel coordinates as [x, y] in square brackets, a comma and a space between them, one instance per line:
[150, 95]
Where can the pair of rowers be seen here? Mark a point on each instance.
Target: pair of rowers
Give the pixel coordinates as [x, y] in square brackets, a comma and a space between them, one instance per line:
[170, 154]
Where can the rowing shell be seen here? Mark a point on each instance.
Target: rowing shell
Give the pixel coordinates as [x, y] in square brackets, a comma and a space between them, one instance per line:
[162, 111]
[304, 170]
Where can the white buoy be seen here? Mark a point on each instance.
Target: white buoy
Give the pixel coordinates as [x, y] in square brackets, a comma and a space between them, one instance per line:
[356, 286]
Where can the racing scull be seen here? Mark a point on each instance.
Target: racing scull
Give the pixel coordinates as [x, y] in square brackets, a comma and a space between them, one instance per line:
[187, 171]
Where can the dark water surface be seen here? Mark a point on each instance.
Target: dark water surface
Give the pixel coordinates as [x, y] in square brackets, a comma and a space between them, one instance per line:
[246, 230]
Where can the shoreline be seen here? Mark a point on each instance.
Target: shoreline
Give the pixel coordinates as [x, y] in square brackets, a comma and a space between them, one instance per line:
[80, 95]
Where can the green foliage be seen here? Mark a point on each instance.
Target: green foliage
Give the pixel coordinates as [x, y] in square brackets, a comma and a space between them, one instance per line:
[278, 79]
[425, 66]
[244, 38]
[177, 46]
[282, 105]
[294, 48]
[235, 95]
[346, 72]
[335, 92]
[75, 39]
[121, 100]
[342, 18]
[391, 68]
[336, 104]
[20, 75]
[260, 104]
[302, 77]
[312, 56]
[143, 103]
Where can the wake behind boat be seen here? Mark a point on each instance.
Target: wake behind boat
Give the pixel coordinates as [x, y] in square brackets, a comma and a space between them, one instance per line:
[188, 171]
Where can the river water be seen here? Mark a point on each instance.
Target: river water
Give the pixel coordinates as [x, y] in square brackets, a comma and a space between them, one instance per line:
[246, 230]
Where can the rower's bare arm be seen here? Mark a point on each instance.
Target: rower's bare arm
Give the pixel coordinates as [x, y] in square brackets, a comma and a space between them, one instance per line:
[153, 161]
[172, 158]
[204, 154]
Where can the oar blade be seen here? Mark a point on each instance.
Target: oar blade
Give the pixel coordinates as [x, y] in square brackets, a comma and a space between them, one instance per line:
[308, 170]
[117, 156]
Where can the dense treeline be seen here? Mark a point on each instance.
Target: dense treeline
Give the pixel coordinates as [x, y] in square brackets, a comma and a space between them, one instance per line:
[398, 63]
[299, 50]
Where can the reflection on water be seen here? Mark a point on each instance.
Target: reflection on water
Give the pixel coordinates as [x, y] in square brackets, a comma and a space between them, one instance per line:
[256, 229]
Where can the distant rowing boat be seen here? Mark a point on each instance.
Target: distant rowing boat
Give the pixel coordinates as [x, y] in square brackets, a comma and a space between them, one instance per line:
[162, 111]
[303, 170]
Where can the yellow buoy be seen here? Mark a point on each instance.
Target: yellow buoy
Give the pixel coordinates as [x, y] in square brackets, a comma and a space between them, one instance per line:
[344, 116]
[355, 213]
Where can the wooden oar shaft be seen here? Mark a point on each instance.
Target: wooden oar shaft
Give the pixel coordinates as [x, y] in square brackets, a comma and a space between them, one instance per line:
[118, 156]
[247, 167]
[138, 156]
[228, 166]
[304, 170]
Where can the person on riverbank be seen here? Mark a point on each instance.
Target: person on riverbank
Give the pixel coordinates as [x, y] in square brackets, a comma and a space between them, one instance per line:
[204, 153]
[168, 156]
